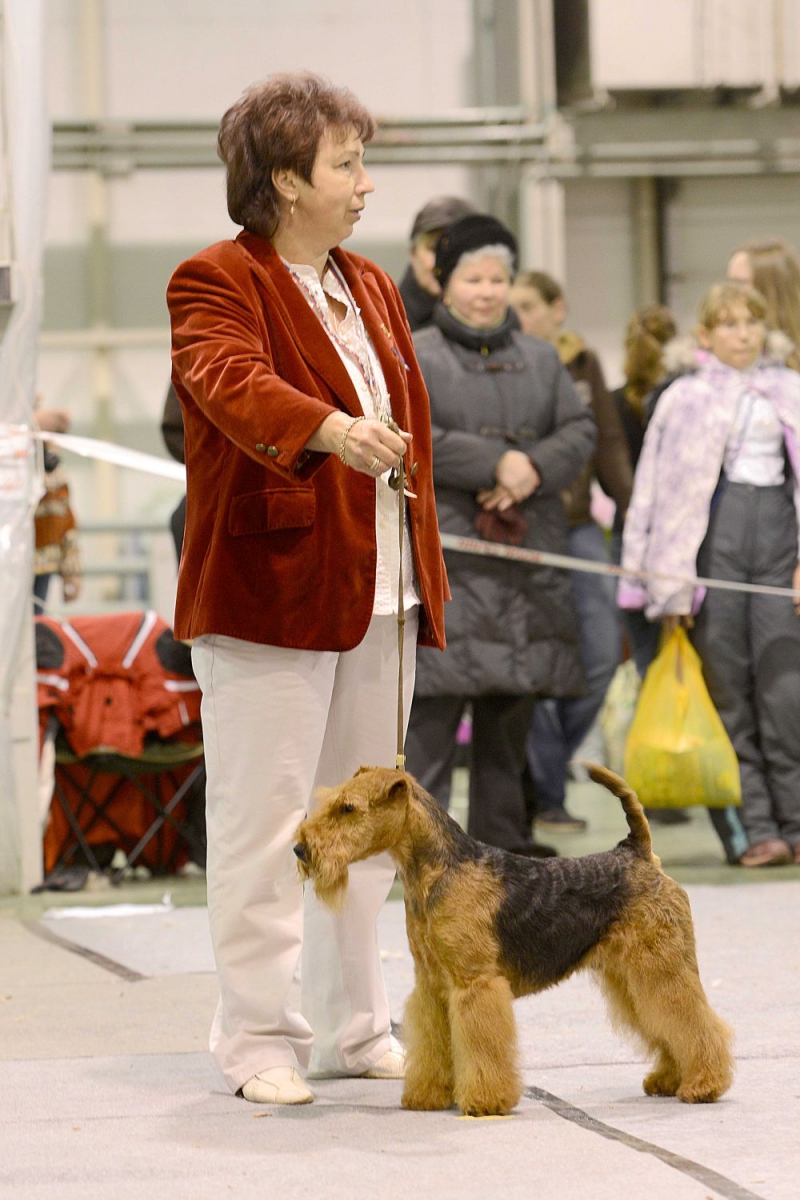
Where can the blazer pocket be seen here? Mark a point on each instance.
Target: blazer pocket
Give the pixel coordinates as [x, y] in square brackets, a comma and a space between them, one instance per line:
[278, 508]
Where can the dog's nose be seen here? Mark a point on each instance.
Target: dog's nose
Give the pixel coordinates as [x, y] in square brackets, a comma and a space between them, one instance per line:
[300, 851]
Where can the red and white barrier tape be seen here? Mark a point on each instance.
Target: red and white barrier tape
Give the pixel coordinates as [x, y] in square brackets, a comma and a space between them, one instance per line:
[543, 558]
[121, 456]
[136, 460]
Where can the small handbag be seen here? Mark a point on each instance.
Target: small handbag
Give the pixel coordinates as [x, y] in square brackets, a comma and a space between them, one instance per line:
[507, 527]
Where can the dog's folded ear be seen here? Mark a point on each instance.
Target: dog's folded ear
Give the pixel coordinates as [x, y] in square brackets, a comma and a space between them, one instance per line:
[395, 793]
[361, 770]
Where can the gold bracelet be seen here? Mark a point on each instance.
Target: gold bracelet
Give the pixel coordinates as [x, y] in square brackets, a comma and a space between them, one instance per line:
[343, 442]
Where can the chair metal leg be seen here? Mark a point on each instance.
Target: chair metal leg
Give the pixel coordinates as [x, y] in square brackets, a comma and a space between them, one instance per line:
[73, 819]
[101, 811]
[164, 815]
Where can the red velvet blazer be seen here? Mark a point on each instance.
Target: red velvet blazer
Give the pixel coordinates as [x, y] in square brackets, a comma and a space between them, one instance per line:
[280, 543]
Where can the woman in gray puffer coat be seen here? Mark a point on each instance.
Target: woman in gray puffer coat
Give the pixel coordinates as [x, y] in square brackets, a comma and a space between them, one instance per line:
[509, 434]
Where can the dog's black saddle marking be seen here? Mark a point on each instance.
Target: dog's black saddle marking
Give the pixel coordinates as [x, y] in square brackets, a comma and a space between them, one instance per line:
[555, 910]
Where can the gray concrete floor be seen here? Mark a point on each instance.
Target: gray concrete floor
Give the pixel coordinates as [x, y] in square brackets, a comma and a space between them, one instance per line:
[107, 1090]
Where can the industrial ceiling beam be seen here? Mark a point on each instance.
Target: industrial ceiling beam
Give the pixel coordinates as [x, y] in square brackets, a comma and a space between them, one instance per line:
[469, 137]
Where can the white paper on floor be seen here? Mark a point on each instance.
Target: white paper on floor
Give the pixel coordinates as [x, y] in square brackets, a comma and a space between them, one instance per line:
[157, 939]
[93, 912]
[150, 939]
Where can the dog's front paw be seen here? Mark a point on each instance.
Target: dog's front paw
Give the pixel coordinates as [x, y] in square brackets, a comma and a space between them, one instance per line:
[427, 1099]
[661, 1083]
[486, 1109]
[702, 1091]
[485, 1105]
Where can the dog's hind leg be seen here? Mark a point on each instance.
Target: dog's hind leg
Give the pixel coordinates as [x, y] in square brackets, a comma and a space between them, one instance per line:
[484, 1038]
[669, 1009]
[665, 1078]
[429, 1063]
[674, 1010]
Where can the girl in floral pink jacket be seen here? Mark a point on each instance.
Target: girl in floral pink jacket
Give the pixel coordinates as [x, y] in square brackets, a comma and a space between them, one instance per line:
[716, 493]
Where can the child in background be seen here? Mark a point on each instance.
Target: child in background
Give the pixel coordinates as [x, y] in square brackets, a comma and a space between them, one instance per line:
[716, 493]
[56, 550]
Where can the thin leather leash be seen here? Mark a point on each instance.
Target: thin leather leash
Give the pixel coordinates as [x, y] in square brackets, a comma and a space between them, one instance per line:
[400, 761]
[397, 480]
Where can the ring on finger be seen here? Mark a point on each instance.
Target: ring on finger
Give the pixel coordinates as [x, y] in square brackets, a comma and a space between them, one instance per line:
[376, 464]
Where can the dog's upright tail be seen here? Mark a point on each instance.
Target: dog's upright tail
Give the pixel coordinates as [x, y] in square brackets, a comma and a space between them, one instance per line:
[634, 813]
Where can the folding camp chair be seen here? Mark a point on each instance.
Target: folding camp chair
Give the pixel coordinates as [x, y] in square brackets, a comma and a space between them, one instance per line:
[138, 805]
[120, 715]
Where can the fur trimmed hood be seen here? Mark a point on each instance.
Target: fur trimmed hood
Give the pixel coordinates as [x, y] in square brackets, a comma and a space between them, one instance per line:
[684, 354]
[678, 471]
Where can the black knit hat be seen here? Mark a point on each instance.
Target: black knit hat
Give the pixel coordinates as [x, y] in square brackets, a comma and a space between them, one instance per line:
[467, 234]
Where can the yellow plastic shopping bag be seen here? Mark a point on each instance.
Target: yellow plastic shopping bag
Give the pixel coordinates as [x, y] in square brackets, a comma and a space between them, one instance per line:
[677, 752]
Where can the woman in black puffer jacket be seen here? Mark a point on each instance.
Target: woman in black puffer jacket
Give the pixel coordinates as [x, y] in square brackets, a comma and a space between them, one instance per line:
[509, 434]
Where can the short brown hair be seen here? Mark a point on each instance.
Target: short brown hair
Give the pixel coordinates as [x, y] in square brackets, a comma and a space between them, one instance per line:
[548, 288]
[721, 298]
[275, 125]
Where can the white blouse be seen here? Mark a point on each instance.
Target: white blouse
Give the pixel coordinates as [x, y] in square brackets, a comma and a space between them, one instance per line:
[755, 451]
[351, 342]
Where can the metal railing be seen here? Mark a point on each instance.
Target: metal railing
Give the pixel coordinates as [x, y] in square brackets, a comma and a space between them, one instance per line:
[126, 565]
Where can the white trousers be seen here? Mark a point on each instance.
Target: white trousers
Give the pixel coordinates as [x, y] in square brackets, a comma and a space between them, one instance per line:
[277, 724]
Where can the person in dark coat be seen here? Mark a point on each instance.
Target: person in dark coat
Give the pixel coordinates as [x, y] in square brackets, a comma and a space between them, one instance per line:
[172, 433]
[419, 287]
[559, 727]
[649, 331]
[510, 434]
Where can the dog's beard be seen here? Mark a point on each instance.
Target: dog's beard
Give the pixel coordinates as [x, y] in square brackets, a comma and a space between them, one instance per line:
[330, 882]
[332, 894]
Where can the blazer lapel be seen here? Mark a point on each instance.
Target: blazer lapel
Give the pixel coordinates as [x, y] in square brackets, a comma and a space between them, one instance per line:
[306, 329]
[370, 300]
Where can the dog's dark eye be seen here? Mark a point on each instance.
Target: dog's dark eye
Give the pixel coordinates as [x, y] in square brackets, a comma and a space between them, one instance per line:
[347, 808]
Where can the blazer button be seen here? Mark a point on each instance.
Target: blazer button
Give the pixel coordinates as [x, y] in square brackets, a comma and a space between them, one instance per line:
[273, 451]
[261, 448]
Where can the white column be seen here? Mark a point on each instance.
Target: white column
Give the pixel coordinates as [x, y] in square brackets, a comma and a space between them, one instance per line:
[542, 220]
[23, 171]
[542, 223]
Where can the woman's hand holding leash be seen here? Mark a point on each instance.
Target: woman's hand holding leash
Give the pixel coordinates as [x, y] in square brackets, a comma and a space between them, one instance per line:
[374, 447]
[364, 444]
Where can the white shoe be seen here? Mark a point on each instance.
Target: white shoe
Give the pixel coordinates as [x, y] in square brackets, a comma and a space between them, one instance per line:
[390, 1065]
[278, 1085]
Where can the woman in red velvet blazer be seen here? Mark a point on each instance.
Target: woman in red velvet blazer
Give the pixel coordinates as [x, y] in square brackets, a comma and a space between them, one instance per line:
[300, 391]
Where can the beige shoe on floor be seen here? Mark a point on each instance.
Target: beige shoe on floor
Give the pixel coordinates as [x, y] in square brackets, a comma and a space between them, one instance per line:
[278, 1085]
[390, 1065]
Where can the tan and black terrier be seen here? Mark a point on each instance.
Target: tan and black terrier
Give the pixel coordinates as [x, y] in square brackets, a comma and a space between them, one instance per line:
[486, 926]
